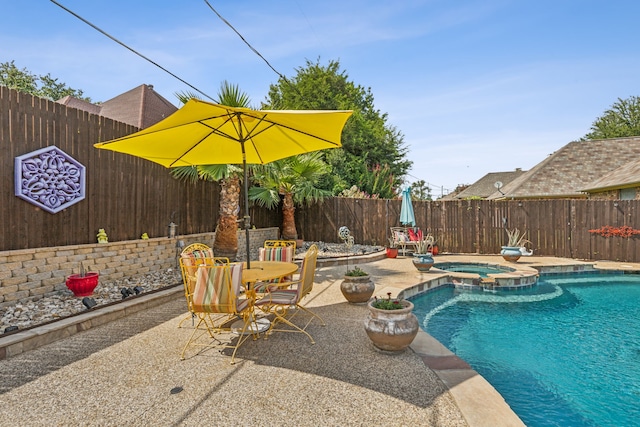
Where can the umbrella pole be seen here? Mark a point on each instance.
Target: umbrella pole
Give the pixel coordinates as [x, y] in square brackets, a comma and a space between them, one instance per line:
[247, 218]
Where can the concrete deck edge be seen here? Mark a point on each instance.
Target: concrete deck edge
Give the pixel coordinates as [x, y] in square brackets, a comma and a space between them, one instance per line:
[479, 402]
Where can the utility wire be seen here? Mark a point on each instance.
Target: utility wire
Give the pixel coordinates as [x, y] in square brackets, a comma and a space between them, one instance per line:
[294, 87]
[132, 50]
[245, 41]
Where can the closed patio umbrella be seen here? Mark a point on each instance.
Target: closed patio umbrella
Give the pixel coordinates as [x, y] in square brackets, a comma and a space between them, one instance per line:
[204, 133]
[407, 217]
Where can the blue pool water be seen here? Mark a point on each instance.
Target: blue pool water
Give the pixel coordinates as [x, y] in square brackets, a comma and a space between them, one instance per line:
[563, 353]
[467, 267]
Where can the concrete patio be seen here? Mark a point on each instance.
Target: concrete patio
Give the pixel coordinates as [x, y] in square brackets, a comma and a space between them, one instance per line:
[127, 371]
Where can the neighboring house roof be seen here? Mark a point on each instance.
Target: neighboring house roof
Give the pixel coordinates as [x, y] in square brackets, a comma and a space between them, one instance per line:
[141, 107]
[79, 104]
[627, 175]
[566, 172]
[485, 186]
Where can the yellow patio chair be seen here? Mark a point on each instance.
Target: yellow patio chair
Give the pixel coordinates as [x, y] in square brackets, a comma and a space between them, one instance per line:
[215, 301]
[276, 250]
[190, 258]
[289, 295]
[280, 244]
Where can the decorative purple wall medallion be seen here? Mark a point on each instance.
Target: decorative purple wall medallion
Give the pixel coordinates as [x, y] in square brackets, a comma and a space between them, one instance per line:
[50, 179]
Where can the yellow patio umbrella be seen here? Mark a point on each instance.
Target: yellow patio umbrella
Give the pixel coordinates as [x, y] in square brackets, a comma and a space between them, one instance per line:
[204, 133]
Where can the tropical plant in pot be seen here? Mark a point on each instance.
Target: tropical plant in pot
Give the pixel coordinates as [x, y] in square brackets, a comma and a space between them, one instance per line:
[517, 240]
[422, 257]
[391, 325]
[357, 286]
[82, 284]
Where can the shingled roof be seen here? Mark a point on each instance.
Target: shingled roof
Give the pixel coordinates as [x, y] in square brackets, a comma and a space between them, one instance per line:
[568, 171]
[141, 107]
[79, 104]
[485, 186]
[626, 176]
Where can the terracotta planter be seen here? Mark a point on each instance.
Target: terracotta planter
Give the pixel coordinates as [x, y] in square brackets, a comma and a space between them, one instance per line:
[392, 252]
[82, 286]
[423, 262]
[391, 330]
[511, 253]
[357, 289]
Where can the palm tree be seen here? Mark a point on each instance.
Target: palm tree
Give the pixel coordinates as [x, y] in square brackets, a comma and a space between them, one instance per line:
[295, 179]
[229, 177]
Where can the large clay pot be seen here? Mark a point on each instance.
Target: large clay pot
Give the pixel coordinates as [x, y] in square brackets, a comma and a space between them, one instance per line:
[423, 262]
[391, 330]
[82, 286]
[511, 253]
[357, 289]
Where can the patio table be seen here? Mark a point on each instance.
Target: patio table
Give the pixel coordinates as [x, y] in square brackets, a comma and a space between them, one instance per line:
[266, 270]
[261, 270]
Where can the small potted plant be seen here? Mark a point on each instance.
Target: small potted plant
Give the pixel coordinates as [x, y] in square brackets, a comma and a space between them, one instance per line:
[422, 257]
[357, 286]
[390, 325]
[392, 249]
[83, 284]
[513, 249]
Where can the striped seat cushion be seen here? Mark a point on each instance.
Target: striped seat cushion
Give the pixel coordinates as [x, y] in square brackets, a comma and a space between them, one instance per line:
[217, 288]
[236, 285]
[281, 297]
[285, 254]
[190, 259]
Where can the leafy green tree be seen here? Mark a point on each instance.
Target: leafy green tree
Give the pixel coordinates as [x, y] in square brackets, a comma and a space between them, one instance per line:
[229, 177]
[420, 190]
[43, 86]
[294, 180]
[368, 141]
[621, 120]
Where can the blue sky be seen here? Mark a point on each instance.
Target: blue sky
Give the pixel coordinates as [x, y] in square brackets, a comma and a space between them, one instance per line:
[474, 86]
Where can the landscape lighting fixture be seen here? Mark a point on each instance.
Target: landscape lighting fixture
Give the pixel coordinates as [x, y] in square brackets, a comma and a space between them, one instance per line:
[10, 329]
[89, 302]
[126, 292]
[137, 290]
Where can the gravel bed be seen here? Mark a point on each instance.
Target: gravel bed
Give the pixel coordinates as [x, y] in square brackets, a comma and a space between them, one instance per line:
[25, 315]
[63, 304]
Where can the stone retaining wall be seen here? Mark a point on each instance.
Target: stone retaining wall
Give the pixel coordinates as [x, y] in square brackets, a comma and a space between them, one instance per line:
[30, 274]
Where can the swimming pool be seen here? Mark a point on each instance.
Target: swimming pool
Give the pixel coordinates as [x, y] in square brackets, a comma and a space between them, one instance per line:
[563, 353]
[470, 267]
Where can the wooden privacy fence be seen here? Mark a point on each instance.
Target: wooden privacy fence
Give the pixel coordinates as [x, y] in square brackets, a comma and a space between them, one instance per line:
[128, 196]
[125, 195]
[555, 227]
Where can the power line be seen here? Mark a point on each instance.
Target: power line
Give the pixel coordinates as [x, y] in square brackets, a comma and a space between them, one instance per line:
[131, 49]
[291, 85]
[244, 40]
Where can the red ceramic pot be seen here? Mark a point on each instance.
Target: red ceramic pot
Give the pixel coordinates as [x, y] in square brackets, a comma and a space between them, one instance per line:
[82, 286]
